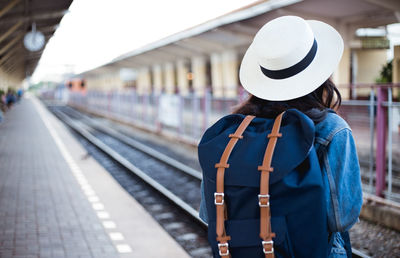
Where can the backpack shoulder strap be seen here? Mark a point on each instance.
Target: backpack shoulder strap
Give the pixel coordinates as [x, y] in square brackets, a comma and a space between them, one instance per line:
[263, 198]
[222, 238]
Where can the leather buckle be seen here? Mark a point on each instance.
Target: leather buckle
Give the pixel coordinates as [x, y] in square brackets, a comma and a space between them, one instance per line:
[222, 253]
[216, 202]
[261, 198]
[235, 136]
[273, 135]
[270, 242]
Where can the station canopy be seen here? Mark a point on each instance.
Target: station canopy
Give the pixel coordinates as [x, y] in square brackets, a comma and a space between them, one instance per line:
[236, 30]
[19, 17]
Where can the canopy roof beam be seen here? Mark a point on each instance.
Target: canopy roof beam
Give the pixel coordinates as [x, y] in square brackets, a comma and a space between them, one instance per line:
[11, 30]
[190, 48]
[10, 44]
[204, 44]
[389, 4]
[8, 7]
[35, 17]
[8, 55]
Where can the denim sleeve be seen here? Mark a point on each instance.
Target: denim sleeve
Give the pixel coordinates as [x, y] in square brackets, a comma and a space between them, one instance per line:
[203, 209]
[343, 177]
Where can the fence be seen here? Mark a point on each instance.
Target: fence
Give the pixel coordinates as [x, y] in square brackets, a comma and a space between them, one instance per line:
[375, 124]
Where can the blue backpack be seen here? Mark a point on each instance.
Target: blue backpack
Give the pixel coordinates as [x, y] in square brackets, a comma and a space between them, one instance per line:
[263, 187]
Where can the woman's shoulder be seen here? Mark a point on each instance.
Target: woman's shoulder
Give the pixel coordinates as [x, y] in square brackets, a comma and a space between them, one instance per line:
[330, 126]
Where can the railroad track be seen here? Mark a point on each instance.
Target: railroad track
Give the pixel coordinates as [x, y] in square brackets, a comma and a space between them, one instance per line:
[125, 152]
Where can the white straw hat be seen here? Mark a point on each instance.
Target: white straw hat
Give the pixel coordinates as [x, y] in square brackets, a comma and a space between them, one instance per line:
[289, 58]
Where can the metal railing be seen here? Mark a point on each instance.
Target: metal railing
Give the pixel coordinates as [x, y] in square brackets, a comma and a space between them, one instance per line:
[187, 117]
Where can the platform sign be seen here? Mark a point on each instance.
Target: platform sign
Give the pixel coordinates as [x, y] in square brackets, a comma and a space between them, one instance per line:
[168, 110]
[375, 43]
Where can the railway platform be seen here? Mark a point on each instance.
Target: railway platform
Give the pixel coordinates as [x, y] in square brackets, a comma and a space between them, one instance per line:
[57, 201]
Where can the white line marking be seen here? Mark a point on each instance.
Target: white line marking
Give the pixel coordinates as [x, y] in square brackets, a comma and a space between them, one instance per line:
[81, 179]
[89, 192]
[109, 224]
[98, 206]
[93, 199]
[87, 187]
[124, 248]
[103, 215]
[116, 236]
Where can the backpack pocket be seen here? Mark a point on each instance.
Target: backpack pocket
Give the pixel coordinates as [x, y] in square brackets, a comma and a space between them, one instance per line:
[245, 240]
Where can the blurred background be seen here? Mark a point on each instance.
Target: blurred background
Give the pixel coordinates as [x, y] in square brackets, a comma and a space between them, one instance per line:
[169, 70]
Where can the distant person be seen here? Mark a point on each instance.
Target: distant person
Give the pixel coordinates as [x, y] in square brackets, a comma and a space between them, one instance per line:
[281, 176]
[10, 98]
[20, 92]
[3, 106]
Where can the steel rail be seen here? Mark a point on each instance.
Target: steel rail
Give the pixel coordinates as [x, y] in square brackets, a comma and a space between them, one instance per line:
[132, 168]
[358, 254]
[143, 148]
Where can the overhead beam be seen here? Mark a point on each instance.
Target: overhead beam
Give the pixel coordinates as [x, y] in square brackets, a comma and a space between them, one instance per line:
[10, 31]
[161, 56]
[374, 20]
[241, 27]
[128, 63]
[141, 60]
[17, 63]
[190, 48]
[397, 14]
[34, 55]
[49, 15]
[9, 61]
[8, 7]
[120, 64]
[10, 44]
[204, 44]
[241, 36]
[179, 52]
[135, 61]
[308, 15]
[368, 17]
[17, 73]
[50, 29]
[393, 5]
[8, 55]
[35, 17]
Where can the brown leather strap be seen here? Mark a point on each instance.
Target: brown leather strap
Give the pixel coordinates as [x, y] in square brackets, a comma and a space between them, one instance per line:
[222, 238]
[263, 198]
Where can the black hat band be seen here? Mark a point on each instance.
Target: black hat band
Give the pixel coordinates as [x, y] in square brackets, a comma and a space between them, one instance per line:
[294, 69]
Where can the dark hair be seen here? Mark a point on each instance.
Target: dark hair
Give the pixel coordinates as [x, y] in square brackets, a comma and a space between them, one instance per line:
[315, 104]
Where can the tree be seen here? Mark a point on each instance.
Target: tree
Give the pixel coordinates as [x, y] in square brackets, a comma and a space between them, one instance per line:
[385, 75]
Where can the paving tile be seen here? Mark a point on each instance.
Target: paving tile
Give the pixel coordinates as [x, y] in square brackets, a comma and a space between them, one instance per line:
[43, 211]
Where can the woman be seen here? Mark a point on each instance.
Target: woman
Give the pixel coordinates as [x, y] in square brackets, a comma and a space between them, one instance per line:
[288, 66]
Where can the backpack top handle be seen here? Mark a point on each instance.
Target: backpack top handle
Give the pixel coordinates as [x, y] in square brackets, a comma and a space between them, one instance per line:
[222, 238]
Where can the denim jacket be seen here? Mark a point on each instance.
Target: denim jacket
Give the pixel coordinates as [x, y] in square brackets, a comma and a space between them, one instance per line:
[337, 155]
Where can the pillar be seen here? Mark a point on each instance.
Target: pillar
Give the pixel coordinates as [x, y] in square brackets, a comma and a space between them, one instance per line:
[199, 75]
[230, 73]
[169, 75]
[182, 71]
[341, 77]
[369, 65]
[157, 79]
[381, 135]
[396, 71]
[144, 81]
[216, 75]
